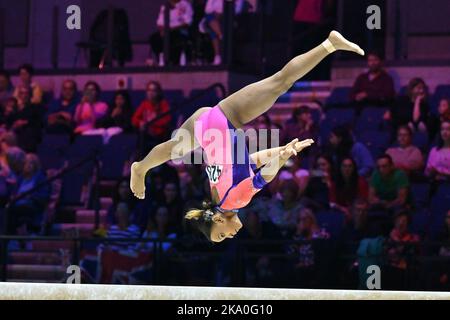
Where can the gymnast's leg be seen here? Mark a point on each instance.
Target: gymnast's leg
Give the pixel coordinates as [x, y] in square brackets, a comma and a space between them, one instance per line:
[256, 98]
[181, 144]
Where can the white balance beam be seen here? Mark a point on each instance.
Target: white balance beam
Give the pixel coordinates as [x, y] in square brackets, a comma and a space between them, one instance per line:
[60, 291]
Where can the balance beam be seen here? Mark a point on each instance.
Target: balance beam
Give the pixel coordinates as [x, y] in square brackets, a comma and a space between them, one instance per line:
[60, 291]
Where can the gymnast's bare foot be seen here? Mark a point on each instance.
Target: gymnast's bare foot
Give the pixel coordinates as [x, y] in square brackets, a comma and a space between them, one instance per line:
[340, 43]
[137, 181]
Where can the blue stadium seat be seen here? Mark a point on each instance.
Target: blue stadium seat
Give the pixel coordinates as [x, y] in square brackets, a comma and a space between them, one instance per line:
[332, 221]
[420, 222]
[340, 116]
[339, 95]
[420, 193]
[114, 154]
[370, 119]
[52, 150]
[376, 141]
[420, 140]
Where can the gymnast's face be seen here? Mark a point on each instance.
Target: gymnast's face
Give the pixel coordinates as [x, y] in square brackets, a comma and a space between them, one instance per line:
[225, 225]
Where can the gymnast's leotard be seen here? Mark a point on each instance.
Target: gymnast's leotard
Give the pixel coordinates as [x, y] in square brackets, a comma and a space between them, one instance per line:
[233, 174]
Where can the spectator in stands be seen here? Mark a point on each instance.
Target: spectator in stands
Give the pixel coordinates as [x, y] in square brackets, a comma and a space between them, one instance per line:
[357, 222]
[283, 209]
[389, 187]
[212, 24]
[158, 227]
[26, 72]
[180, 18]
[342, 145]
[443, 266]
[406, 156]
[61, 111]
[123, 194]
[305, 267]
[438, 165]
[123, 229]
[120, 112]
[374, 86]
[400, 246]
[264, 132]
[413, 109]
[7, 140]
[318, 192]
[8, 113]
[171, 201]
[90, 111]
[6, 89]
[27, 213]
[348, 186]
[28, 122]
[292, 171]
[301, 126]
[153, 106]
[443, 115]
[192, 182]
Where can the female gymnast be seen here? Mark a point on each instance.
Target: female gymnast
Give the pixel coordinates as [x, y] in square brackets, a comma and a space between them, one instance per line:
[233, 185]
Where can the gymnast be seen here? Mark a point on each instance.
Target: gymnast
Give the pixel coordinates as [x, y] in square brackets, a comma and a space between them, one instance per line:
[213, 129]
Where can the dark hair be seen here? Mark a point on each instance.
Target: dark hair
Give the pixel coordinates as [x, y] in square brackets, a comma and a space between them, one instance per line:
[346, 143]
[386, 156]
[72, 82]
[5, 74]
[159, 95]
[95, 84]
[375, 53]
[126, 96]
[343, 190]
[300, 110]
[440, 143]
[405, 127]
[402, 213]
[413, 83]
[27, 67]
[200, 219]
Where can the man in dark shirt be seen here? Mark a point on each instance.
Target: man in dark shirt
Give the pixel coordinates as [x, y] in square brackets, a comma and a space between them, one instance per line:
[374, 86]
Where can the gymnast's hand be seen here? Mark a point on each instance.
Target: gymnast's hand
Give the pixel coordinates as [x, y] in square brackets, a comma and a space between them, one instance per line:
[294, 147]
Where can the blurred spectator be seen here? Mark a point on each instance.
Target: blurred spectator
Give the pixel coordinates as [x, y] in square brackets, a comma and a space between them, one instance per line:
[305, 265]
[90, 110]
[374, 86]
[123, 229]
[6, 89]
[389, 187]
[357, 225]
[153, 106]
[413, 109]
[400, 246]
[15, 159]
[343, 145]
[291, 171]
[443, 115]
[26, 72]
[192, 182]
[438, 165]
[318, 192]
[61, 111]
[283, 210]
[266, 133]
[8, 113]
[7, 140]
[212, 24]
[348, 186]
[443, 266]
[180, 18]
[301, 126]
[28, 122]
[158, 228]
[406, 156]
[120, 112]
[27, 213]
[123, 194]
[172, 200]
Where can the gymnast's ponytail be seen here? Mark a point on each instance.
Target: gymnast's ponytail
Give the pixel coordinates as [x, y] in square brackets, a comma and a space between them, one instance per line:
[201, 219]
